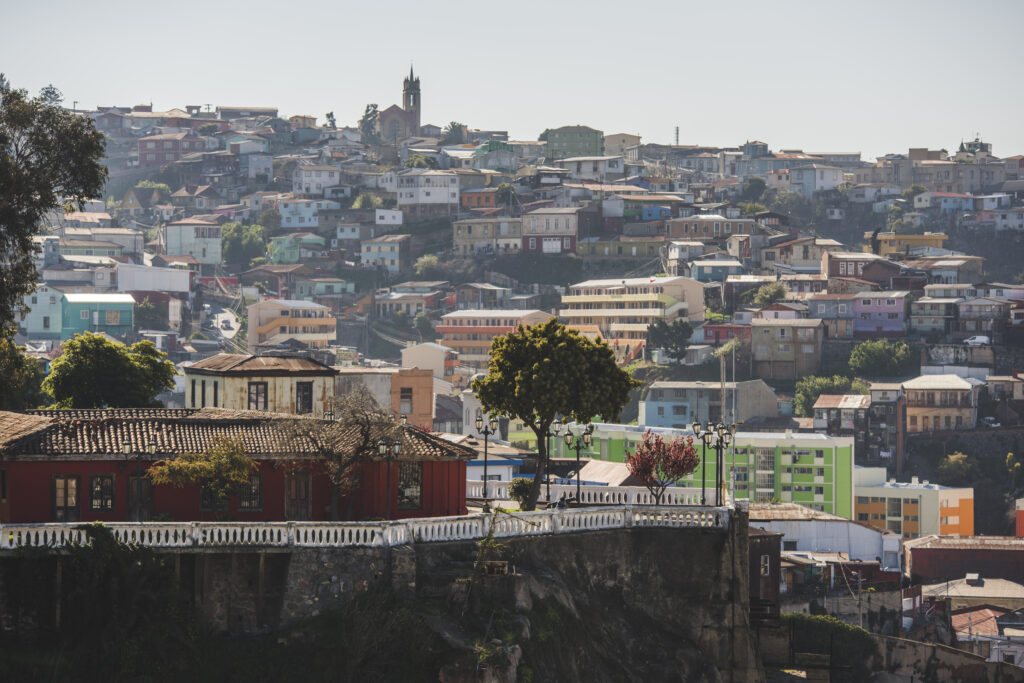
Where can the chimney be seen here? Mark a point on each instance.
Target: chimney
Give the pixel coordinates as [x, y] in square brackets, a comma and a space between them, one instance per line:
[913, 480]
[973, 579]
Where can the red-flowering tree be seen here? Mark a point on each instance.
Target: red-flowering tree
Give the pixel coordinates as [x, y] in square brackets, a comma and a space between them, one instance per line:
[660, 464]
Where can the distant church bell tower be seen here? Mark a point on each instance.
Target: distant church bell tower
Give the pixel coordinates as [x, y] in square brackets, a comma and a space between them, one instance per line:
[411, 101]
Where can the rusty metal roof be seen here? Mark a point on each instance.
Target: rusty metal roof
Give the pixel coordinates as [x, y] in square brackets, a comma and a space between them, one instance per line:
[246, 364]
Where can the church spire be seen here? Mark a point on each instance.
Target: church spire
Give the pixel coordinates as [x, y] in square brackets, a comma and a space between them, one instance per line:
[410, 71]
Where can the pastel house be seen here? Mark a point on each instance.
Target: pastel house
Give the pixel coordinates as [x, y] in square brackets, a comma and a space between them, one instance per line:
[112, 314]
[880, 314]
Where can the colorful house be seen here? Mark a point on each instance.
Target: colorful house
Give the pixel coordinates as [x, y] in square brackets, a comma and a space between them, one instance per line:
[112, 314]
[881, 314]
[912, 509]
[296, 246]
[69, 466]
[714, 271]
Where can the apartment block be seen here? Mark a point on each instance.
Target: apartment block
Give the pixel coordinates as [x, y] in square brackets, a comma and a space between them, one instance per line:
[912, 509]
[621, 310]
[470, 332]
[275, 321]
[680, 404]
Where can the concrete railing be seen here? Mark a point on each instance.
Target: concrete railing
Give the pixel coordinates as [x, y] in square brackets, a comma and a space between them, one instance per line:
[597, 495]
[205, 535]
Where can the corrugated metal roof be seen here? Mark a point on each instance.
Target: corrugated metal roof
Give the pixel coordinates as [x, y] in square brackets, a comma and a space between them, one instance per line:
[239, 363]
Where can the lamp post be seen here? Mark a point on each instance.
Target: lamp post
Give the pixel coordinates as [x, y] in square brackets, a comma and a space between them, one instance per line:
[552, 431]
[581, 440]
[718, 437]
[389, 452]
[486, 430]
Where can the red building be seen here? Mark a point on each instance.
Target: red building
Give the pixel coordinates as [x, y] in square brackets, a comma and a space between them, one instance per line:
[68, 466]
[720, 333]
[158, 150]
[938, 558]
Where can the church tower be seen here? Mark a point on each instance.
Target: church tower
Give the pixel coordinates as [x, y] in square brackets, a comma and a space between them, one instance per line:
[411, 102]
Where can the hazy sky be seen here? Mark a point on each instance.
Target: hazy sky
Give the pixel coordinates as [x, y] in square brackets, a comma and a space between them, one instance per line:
[820, 75]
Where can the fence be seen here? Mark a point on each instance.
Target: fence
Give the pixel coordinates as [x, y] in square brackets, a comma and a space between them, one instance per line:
[598, 495]
[355, 534]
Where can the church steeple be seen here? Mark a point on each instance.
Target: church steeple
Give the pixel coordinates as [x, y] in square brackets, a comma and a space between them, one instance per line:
[411, 101]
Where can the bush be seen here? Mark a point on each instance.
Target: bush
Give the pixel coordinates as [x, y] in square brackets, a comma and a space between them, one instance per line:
[519, 489]
[851, 648]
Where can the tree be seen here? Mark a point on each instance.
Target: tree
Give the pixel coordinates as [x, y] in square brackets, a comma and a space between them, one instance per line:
[768, 294]
[48, 156]
[420, 161]
[539, 372]
[209, 129]
[519, 490]
[674, 337]
[1014, 468]
[51, 95]
[809, 388]
[243, 243]
[881, 358]
[331, 122]
[453, 134]
[423, 326]
[957, 469]
[426, 265]
[913, 191]
[270, 219]
[342, 444]
[792, 204]
[148, 316]
[367, 200]
[660, 464]
[20, 377]
[368, 125]
[93, 372]
[220, 470]
[506, 194]
[154, 185]
[753, 189]
[750, 208]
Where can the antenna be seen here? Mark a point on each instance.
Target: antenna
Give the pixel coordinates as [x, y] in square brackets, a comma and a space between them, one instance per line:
[677, 136]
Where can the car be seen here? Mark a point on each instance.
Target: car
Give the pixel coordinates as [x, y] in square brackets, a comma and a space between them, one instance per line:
[225, 324]
[990, 422]
[980, 340]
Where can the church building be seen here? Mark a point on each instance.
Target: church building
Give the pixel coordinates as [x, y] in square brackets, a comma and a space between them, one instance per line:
[402, 122]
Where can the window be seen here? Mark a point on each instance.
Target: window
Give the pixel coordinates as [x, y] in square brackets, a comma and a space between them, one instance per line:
[789, 545]
[193, 393]
[862, 516]
[250, 496]
[202, 393]
[765, 566]
[303, 397]
[83, 315]
[3, 485]
[101, 493]
[215, 386]
[65, 499]
[257, 395]
[862, 500]
[46, 322]
[405, 400]
[113, 317]
[410, 485]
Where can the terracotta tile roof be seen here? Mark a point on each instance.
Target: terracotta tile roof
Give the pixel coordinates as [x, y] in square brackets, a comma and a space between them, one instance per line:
[99, 434]
[979, 621]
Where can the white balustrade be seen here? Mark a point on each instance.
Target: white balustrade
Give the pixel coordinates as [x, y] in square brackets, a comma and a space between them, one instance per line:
[382, 534]
[598, 495]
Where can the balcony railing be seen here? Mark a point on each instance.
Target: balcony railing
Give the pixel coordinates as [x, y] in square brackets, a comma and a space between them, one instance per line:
[366, 534]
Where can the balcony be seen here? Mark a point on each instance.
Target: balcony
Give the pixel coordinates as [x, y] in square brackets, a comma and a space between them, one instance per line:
[274, 324]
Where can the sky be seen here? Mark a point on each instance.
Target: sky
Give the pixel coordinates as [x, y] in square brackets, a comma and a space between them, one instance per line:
[821, 76]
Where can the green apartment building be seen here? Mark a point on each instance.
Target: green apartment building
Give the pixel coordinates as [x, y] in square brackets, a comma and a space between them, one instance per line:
[573, 141]
[815, 470]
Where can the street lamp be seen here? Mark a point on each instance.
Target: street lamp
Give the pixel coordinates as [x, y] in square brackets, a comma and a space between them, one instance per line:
[581, 441]
[486, 430]
[329, 415]
[718, 437]
[389, 453]
[552, 431]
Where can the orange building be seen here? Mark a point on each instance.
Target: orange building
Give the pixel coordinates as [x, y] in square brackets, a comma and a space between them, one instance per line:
[470, 332]
[480, 198]
[407, 392]
[912, 509]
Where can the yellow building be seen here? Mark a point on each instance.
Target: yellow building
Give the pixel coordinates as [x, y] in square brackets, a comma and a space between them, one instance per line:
[912, 509]
[895, 244]
[622, 309]
[941, 403]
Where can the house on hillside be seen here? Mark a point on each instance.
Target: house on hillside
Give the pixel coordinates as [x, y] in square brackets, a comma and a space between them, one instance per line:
[70, 466]
[272, 383]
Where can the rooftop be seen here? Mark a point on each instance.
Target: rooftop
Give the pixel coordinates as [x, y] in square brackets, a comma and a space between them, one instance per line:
[843, 401]
[246, 364]
[100, 298]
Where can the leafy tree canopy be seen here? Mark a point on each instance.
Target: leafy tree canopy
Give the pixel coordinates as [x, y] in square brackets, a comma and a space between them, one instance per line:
[427, 265]
[93, 372]
[420, 161]
[768, 294]
[368, 125]
[809, 388]
[660, 464]
[48, 156]
[367, 200]
[750, 208]
[149, 316]
[913, 191]
[957, 469]
[753, 189]
[453, 134]
[154, 185]
[540, 372]
[271, 219]
[209, 129]
[20, 377]
[243, 243]
[674, 337]
[881, 358]
[221, 469]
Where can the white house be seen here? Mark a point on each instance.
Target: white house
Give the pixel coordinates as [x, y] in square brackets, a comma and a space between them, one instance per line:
[815, 178]
[427, 186]
[810, 530]
[313, 180]
[597, 169]
[387, 217]
[303, 213]
[869, 193]
[194, 237]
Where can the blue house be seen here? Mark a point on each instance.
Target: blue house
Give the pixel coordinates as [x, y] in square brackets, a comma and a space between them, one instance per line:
[655, 213]
[715, 271]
